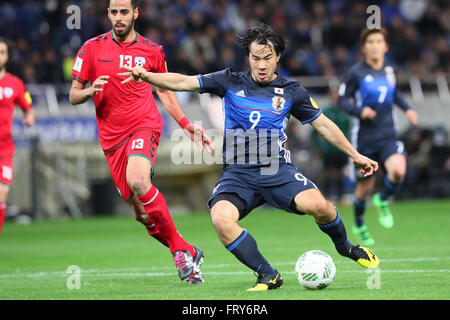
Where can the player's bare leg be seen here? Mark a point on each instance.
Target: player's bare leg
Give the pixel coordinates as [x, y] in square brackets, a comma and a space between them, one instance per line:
[364, 188]
[327, 217]
[396, 169]
[4, 190]
[312, 202]
[159, 223]
[242, 245]
[225, 216]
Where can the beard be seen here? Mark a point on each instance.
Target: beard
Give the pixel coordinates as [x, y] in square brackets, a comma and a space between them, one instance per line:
[125, 32]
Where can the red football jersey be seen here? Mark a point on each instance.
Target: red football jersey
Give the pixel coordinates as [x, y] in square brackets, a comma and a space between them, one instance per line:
[121, 108]
[12, 92]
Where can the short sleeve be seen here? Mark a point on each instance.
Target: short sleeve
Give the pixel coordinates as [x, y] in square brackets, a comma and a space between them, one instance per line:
[216, 82]
[350, 84]
[347, 91]
[81, 70]
[23, 99]
[304, 108]
[159, 64]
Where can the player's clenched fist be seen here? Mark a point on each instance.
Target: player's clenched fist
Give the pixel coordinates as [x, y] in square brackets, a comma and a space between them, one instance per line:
[367, 166]
[133, 74]
[98, 85]
[368, 113]
[412, 116]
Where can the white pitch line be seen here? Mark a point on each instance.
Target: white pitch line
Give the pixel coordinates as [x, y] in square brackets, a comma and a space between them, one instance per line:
[212, 273]
[144, 271]
[227, 265]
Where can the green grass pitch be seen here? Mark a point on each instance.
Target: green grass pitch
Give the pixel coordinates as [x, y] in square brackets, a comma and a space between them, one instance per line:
[118, 260]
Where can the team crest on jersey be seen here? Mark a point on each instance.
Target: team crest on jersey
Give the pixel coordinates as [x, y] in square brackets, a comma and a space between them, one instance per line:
[8, 92]
[390, 76]
[368, 78]
[278, 103]
[139, 61]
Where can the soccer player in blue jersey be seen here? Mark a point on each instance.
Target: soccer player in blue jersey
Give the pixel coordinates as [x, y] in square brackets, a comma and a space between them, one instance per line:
[368, 92]
[257, 168]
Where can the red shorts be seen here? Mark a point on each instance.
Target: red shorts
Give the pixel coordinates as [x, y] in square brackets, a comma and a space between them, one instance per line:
[143, 143]
[6, 170]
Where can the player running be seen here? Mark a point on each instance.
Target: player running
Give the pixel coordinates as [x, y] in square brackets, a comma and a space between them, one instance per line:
[130, 125]
[257, 105]
[12, 92]
[371, 84]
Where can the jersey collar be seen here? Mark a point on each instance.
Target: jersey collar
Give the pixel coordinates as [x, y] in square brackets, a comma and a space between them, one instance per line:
[370, 67]
[128, 45]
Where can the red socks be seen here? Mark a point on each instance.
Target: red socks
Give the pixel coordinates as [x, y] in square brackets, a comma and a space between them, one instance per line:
[164, 229]
[2, 215]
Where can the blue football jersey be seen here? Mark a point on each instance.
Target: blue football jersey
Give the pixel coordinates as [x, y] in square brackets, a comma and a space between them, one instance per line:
[364, 86]
[256, 116]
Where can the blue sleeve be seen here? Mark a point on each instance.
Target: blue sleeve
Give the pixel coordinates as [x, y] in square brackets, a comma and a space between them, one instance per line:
[216, 82]
[304, 108]
[347, 91]
[400, 100]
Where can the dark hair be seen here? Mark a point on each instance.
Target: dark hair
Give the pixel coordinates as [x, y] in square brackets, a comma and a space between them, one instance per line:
[134, 3]
[365, 33]
[3, 40]
[261, 34]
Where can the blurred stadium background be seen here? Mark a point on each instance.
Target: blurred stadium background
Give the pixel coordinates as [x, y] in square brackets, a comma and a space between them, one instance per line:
[59, 165]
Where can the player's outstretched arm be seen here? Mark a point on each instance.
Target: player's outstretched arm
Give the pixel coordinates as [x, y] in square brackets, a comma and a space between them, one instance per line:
[195, 132]
[331, 132]
[169, 81]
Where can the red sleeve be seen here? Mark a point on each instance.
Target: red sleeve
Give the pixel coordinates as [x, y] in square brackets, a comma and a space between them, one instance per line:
[23, 98]
[81, 70]
[159, 64]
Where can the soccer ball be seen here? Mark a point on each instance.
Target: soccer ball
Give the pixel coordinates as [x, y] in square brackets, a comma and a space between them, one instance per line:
[315, 270]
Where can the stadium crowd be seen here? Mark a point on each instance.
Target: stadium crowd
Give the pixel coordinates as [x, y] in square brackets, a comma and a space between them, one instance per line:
[199, 35]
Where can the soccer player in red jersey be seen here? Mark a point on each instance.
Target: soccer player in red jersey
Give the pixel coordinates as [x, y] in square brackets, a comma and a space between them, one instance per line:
[130, 125]
[12, 92]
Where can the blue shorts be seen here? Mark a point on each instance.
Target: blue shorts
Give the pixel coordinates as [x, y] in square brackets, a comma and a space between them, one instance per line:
[255, 189]
[380, 151]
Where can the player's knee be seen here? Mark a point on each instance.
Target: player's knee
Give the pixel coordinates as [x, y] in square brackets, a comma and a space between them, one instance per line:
[222, 216]
[322, 210]
[3, 193]
[139, 184]
[398, 175]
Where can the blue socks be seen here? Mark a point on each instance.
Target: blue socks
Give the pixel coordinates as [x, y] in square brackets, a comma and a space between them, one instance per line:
[246, 251]
[359, 207]
[389, 188]
[336, 231]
